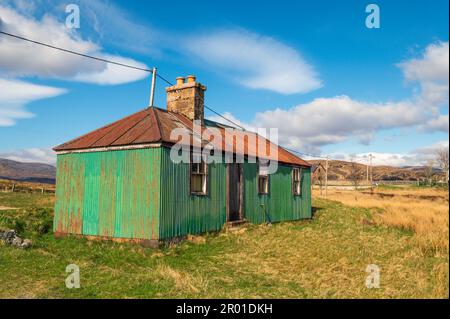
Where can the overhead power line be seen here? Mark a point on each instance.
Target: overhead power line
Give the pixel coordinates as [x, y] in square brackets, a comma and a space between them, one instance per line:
[218, 114]
[164, 79]
[207, 107]
[75, 53]
[324, 157]
[108, 61]
[157, 75]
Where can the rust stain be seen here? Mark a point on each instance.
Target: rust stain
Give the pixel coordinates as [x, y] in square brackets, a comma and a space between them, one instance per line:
[155, 125]
[153, 228]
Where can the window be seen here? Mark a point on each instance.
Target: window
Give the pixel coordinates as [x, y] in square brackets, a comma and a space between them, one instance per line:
[199, 175]
[263, 178]
[297, 181]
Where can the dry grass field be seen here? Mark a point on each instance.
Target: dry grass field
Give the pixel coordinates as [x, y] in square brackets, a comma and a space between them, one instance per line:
[403, 231]
[424, 211]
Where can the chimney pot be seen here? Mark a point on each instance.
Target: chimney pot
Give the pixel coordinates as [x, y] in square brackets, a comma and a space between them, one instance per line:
[180, 80]
[191, 79]
[187, 98]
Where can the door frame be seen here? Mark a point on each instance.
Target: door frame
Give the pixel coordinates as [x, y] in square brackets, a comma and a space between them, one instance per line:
[241, 190]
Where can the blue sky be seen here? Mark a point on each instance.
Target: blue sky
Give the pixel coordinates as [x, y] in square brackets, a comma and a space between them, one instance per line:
[312, 69]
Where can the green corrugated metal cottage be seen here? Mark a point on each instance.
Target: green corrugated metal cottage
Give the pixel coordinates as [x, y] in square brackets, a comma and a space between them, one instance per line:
[120, 181]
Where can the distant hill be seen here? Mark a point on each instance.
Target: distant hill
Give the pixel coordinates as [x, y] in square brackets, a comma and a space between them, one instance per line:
[338, 170]
[341, 170]
[27, 172]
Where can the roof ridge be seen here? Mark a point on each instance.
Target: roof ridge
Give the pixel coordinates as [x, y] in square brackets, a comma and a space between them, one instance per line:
[158, 124]
[154, 124]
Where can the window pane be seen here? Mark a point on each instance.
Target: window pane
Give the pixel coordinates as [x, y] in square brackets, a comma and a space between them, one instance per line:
[197, 183]
[263, 184]
[297, 188]
[204, 184]
[202, 167]
[196, 158]
[264, 169]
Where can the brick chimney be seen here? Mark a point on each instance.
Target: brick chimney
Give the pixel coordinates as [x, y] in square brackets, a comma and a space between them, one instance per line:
[186, 97]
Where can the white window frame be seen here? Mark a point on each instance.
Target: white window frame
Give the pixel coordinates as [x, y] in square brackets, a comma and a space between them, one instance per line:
[297, 183]
[263, 174]
[200, 169]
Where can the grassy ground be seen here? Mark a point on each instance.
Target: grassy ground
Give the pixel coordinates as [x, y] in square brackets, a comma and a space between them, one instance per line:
[322, 258]
[422, 210]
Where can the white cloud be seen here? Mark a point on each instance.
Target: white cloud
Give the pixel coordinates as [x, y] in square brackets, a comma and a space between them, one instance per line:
[433, 65]
[418, 157]
[113, 74]
[431, 150]
[325, 121]
[31, 155]
[431, 71]
[14, 95]
[312, 143]
[255, 61]
[332, 120]
[19, 59]
[22, 59]
[440, 123]
[378, 159]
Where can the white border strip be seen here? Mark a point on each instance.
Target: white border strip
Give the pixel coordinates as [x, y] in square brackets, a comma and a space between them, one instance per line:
[110, 148]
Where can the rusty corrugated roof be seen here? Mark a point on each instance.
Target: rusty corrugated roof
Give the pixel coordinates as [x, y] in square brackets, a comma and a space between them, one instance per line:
[153, 125]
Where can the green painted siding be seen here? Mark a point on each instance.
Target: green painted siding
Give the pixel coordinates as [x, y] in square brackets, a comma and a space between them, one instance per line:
[280, 204]
[142, 194]
[114, 193]
[183, 213]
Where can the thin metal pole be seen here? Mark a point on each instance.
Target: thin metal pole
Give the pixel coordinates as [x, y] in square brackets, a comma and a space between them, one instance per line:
[371, 157]
[152, 91]
[326, 178]
[367, 179]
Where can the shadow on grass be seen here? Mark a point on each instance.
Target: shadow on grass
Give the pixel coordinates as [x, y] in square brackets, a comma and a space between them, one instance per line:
[315, 210]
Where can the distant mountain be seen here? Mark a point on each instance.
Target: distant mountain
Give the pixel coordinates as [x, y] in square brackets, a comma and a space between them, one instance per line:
[338, 170]
[27, 172]
[341, 170]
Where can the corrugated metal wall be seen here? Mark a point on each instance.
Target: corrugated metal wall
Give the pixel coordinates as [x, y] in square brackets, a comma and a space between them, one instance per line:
[113, 193]
[280, 204]
[142, 194]
[183, 214]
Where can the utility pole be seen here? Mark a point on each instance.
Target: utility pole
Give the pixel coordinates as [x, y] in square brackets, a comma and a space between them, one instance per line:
[371, 169]
[326, 178]
[152, 90]
[367, 173]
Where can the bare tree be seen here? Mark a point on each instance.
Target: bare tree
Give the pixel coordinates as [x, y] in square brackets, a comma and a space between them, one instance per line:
[442, 160]
[320, 179]
[429, 172]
